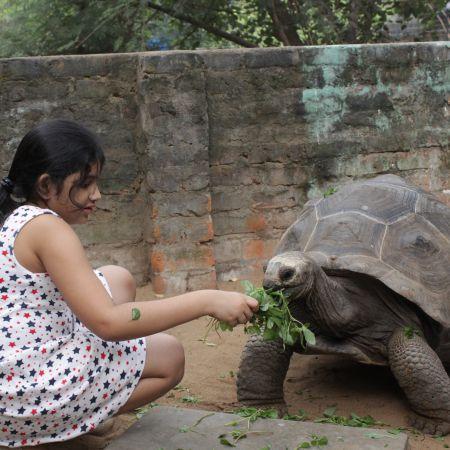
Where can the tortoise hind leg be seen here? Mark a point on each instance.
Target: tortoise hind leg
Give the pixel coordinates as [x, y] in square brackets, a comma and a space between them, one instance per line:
[421, 375]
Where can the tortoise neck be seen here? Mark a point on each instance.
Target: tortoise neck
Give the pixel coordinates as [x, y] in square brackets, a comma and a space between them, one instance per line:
[328, 303]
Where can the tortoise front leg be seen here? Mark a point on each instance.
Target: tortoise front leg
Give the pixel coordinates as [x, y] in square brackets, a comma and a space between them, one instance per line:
[262, 371]
[421, 375]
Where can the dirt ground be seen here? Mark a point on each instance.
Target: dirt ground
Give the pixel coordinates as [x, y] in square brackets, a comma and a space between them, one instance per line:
[313, 383]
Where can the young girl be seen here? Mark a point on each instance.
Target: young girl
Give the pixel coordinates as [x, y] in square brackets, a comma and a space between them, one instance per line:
[75, 348]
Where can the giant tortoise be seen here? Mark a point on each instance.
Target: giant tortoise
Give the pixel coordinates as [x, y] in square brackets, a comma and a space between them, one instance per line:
[369, 269]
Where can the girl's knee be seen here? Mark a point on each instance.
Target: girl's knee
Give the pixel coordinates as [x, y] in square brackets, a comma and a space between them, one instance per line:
[176, 351]
[166, 355]
[120, 281]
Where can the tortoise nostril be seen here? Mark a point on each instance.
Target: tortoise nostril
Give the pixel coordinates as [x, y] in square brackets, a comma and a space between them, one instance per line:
[286, 273]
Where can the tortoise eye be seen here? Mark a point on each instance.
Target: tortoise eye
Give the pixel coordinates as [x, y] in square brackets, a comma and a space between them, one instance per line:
[264, 267]
[286, 273]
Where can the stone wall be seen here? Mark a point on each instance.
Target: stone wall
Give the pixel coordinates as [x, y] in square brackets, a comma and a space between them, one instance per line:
[211, 154]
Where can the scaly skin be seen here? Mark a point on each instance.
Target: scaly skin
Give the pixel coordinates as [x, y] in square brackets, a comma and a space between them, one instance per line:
[262, 371]
[421, 375]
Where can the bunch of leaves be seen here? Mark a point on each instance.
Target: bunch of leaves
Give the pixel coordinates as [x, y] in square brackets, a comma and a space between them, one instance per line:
[273, 319]
[329, 191]
[236, 436]
[249, 415]
[191, 428]
[302, 415]
[142, 410]
[410, 332]
[192, 399]
[315, 441]
[329, 416]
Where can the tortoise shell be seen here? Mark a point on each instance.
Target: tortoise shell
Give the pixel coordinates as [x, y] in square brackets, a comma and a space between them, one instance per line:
[385, 228]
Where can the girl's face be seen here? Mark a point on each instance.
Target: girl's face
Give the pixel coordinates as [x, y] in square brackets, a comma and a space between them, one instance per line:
[75, 202]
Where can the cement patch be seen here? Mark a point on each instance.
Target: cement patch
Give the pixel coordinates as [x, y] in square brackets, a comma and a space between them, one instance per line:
[169, 428]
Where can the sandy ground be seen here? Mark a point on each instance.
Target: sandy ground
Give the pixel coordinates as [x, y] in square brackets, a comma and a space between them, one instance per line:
[313, 384]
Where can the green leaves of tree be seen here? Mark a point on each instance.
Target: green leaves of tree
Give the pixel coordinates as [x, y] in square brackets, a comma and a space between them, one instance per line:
[46, 27]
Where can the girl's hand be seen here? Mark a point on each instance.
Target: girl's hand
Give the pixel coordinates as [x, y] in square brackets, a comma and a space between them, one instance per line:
[232, 307]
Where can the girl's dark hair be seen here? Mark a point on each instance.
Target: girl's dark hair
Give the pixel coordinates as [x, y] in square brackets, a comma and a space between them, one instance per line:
[58, 148]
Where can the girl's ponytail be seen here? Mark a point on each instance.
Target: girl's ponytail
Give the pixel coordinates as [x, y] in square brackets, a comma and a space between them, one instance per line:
[10, 197]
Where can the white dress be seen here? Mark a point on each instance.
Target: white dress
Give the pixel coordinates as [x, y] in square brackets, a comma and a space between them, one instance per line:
[58, 380]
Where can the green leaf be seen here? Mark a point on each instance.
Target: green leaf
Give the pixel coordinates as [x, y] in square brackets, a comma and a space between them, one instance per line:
[310, 337]
[329, 412]
[224, 326]
[248, 287]
[270, 335]
[330, 191]
[253, 329]
[226, 442]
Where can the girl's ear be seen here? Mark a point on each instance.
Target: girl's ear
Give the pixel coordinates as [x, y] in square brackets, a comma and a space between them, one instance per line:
[44, 186]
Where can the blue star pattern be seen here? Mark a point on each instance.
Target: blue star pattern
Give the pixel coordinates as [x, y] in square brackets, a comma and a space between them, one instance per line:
[58, 380]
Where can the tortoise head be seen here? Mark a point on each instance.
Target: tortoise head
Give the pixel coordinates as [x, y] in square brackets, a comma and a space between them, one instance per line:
[292, 272]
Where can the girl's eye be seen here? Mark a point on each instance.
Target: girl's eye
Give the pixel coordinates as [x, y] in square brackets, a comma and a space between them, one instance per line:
[87, 183]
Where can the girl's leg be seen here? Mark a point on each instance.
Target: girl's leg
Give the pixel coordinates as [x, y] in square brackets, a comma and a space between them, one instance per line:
[121, 283]
[164, 364]
[163, 370]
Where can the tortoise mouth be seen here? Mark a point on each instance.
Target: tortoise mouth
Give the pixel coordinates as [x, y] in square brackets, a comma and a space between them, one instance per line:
[292, 293]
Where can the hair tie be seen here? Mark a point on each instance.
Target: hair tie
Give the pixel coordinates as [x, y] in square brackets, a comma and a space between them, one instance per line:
[7, 184]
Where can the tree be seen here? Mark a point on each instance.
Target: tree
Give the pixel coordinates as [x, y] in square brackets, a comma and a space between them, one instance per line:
[37, 27]
[252, 23]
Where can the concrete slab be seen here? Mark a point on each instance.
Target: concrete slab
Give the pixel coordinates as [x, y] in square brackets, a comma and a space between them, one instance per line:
[169, 428]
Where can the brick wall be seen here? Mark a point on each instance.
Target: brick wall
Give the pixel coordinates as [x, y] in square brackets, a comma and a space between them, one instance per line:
[211, 154]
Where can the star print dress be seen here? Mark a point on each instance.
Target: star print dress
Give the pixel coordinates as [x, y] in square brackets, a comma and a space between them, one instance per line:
[58, 380]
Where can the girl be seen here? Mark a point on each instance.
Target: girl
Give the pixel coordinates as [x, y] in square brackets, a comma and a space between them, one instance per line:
[75, 348]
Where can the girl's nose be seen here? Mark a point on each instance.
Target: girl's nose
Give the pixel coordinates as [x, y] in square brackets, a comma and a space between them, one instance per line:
[95, 195]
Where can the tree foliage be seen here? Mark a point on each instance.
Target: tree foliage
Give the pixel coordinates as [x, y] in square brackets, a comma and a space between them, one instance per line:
[37, 27]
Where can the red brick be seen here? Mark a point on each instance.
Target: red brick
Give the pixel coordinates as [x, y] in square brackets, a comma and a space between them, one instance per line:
[157, 261]
[159, 284]
[254, 249]
[256, 222]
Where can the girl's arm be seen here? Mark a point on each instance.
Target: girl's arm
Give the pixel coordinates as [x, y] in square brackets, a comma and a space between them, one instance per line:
[61, 253]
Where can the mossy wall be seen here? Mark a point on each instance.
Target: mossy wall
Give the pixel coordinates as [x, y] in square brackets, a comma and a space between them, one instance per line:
[211, 154]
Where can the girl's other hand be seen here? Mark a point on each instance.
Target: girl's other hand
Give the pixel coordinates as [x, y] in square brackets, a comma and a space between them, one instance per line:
[232, 307]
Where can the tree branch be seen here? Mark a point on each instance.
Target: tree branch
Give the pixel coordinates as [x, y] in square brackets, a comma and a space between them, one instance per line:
[284, 25]
[80, 43]
[207, 27]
